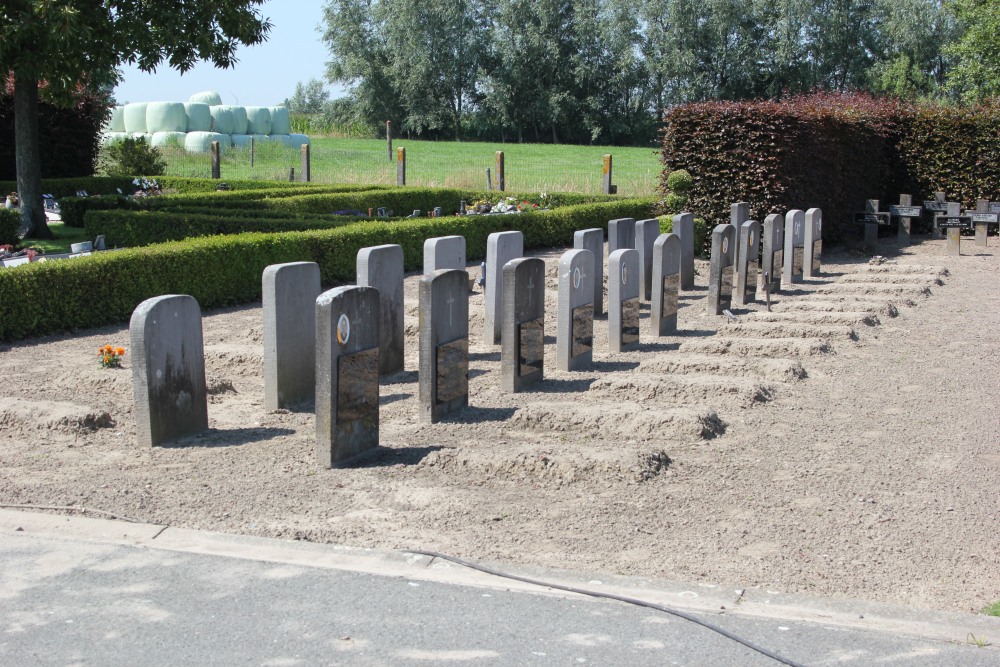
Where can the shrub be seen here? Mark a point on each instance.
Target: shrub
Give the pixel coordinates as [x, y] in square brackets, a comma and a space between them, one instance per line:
[679, 181]
[132, 157]
[10, 223]
[674, 203]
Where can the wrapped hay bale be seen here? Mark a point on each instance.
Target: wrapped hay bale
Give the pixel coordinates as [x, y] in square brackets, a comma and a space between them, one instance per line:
[113, 137]
[117, 123]
[222, 119]
[166, 117]
[168, 139]
[260, 139]
[199, 117]
[201, 142]
[240, 120]
[281, 123]
[241, 140]
[281, 139]
[296, 140]
[209, 97]
[258, 120]
[142, 135]
[134, 116]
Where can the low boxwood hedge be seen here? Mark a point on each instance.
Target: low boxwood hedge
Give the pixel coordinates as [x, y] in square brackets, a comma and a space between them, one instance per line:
[51, 297]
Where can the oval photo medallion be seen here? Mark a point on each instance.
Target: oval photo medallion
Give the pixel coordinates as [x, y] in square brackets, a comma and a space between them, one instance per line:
[624, 275]
[343, 330]
[725, 245]
[750, 242]
[576, 278]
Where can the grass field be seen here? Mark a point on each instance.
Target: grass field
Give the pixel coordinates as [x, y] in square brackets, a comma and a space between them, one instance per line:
[541, 167]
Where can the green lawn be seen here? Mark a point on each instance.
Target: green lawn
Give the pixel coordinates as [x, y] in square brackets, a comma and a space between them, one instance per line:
[64, 237]
[537, 167]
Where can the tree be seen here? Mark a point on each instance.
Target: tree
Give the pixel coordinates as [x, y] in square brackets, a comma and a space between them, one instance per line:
[308, 98]
[976, 73]
[62, 42]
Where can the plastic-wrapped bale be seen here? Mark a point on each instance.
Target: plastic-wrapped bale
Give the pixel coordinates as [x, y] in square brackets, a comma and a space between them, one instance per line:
[258, 120]
[199, 117]
[260, 139]
[113, 137]
[240, 122]
[201, 142]
[209, 97]
[281, 123]
[142, 135]
[134, 116]
[117, 123]
[241, 140]
[282, 139]
[296, 140]
[169, 139]
[166, 117]
[222, 119]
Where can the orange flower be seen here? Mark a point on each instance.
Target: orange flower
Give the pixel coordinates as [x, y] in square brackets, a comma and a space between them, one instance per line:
[120, 351]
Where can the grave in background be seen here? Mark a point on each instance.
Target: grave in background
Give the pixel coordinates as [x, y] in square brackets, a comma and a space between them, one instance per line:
[523, 342]
[575, 325]
[289, 305]
[444, 344]
[381, 267]
[666, 284]
[623, 300]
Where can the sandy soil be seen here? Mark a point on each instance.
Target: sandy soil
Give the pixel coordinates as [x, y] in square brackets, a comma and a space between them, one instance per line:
[845, 444]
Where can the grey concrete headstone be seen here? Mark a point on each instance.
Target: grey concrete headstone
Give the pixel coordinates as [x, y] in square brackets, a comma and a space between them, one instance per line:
[773, 256]
[684, 228]
[795, 237]
[953, 245]
[813, 244]
[982, 229]
[575, 326]
[747, 263]
[501, 247]
[444, 252]
[347, 352]
[381, 267]
[289, 296]
[666, 284]
[871, 230]
[646, 233]
[523, 346]
[905, 224]
[444, 344]
[624, 281]
[720, 278]
[593, 240]
[168, 369]
[621, 234]
[739, 213]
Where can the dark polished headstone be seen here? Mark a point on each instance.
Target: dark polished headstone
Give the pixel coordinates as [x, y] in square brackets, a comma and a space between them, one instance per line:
[646, 233]
[666, 284]
[623, 300]
[523, 323]
[575, 325]
[747, 263]
[720, 278]
[813, 244]
[795, 237]
[773, 256]
[683, 226]
[593, 240]
[444, 344]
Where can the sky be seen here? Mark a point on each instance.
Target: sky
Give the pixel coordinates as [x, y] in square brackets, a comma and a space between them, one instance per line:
[266, 74]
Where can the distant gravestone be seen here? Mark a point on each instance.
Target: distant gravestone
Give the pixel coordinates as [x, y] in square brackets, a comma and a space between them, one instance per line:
[623, 300]
[523, 345]
[168, 369]
[347, 368]
[444, 344]
[381, 267]
[593, 240]
[684, 228]
[773, 256]
[720, 279]
[813, 245]
[982, 218]
[621, 234]
[871, 219]
[444, 252]
[666, 284]
[646, 232]
[953, 221]
[795, 237]
[575, 326]
[747, 263]
[905, 213]
[289, 296]
[739, 213]
[501, 247]
[937, 205]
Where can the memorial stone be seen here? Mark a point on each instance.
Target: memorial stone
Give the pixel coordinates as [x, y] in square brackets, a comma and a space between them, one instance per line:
[684, 228]
[623, 300]
[747, 263]
[593, 240]
[904, 213]
[289, 304]
[523, 341]
[720, 279]
[444, 344]
[982, 218]
[795, 236]
[621, 234]
[739, 213]
[646, 233]
[347, 368]
[773, 257]
[501, 247]
[953, 221]
[381, 267]
[813, 246]
[168, 369]
[937, 205]
[444, 252]
[666, 284]
[575, 325]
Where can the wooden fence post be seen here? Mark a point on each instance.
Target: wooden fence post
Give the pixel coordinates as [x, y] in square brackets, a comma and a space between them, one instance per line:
[501, 177]
[306, 174]
[388, 138]
[216, 162]
[401, 165]
[609, 189]
[251, 150]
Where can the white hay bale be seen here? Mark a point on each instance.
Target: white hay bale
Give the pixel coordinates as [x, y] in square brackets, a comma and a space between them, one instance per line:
[209, 97]
[199, 117]
[240, 120]
[241, 140]
[222, 119]
[142, 135]
[169, 139]
[258, 120]
[166, 117]
[134, 116]
[113, 137]
[201, 142]
[296, 140]
[117, 123]
[282, 139]
[281, 123]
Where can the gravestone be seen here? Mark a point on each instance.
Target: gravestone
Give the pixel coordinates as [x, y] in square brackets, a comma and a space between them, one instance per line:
[684, 228]
[289, 296]
[747, 263]
[623, 300]
[953, 221]
[523, 341]
[621, 234]
[905, 213]
[646, 233]
[444, 252]
[773, 256]
[347, 368]
[501, 247]
[738, 214]
[871, 219]
[168, 369]
[593, 240]
[982, 218]
[720, 277]
[813, 246]
[575, 325]
[444, 344]
[795, 237]
[666, 284]
[381, 267]
[937, 205]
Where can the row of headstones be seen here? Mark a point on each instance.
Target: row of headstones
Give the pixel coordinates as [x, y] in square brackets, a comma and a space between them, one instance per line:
[947, 216]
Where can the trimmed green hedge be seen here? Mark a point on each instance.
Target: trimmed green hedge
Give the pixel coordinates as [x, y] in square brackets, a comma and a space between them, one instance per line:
[51, 297]
[110, 185]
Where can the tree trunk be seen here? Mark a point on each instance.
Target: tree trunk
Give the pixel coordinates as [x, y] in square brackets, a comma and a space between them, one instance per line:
[29, 159]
